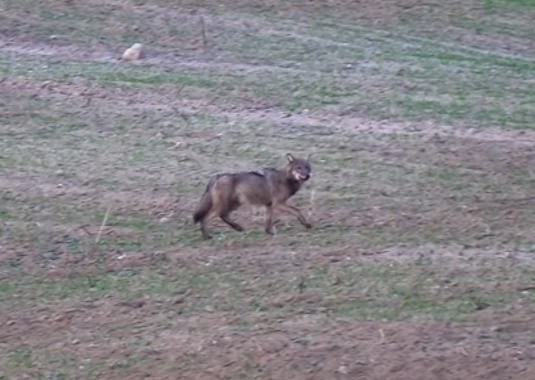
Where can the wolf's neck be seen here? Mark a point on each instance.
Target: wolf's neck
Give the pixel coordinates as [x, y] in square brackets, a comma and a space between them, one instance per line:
[293, 185]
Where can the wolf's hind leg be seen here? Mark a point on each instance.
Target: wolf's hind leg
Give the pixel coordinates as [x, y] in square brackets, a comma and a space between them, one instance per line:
[269, 220]
[204, 224]
[204, 230]
[231, 223]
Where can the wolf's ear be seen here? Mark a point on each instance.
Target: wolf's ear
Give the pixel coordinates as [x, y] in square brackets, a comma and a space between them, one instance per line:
[290, 157]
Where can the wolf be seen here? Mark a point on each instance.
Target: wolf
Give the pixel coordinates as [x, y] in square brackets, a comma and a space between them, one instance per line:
[269, 187]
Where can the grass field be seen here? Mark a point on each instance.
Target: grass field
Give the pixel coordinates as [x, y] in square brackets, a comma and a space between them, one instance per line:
[420, 117]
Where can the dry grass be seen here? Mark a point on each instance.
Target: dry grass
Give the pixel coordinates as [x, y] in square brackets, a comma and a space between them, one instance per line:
[421, 255]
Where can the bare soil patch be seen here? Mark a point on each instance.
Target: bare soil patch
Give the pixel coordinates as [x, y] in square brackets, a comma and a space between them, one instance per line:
[420, 262]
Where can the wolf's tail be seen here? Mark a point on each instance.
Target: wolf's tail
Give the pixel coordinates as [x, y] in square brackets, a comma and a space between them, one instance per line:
[203, 208]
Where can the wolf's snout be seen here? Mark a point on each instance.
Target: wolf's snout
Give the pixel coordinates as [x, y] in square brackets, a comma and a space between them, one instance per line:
[303, 176]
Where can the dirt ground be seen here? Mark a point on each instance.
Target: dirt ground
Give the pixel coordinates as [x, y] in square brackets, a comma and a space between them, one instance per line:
[419, 266]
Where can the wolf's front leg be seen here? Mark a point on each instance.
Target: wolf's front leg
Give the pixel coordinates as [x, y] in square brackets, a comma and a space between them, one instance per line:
[295, 212]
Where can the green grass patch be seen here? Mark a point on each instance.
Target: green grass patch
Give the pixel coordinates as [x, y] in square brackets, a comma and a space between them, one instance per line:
[519, 4]
[410, 224]
[141, 77]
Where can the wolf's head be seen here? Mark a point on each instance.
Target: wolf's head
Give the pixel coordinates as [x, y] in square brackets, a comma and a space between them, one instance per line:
[298, 168]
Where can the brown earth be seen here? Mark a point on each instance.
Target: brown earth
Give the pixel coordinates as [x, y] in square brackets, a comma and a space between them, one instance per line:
[184, 334]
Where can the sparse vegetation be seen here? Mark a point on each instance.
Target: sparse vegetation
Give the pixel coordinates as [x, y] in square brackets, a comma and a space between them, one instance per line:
[420, 121]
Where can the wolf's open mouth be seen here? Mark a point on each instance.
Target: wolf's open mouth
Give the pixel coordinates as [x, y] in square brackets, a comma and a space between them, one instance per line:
[301, 177]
